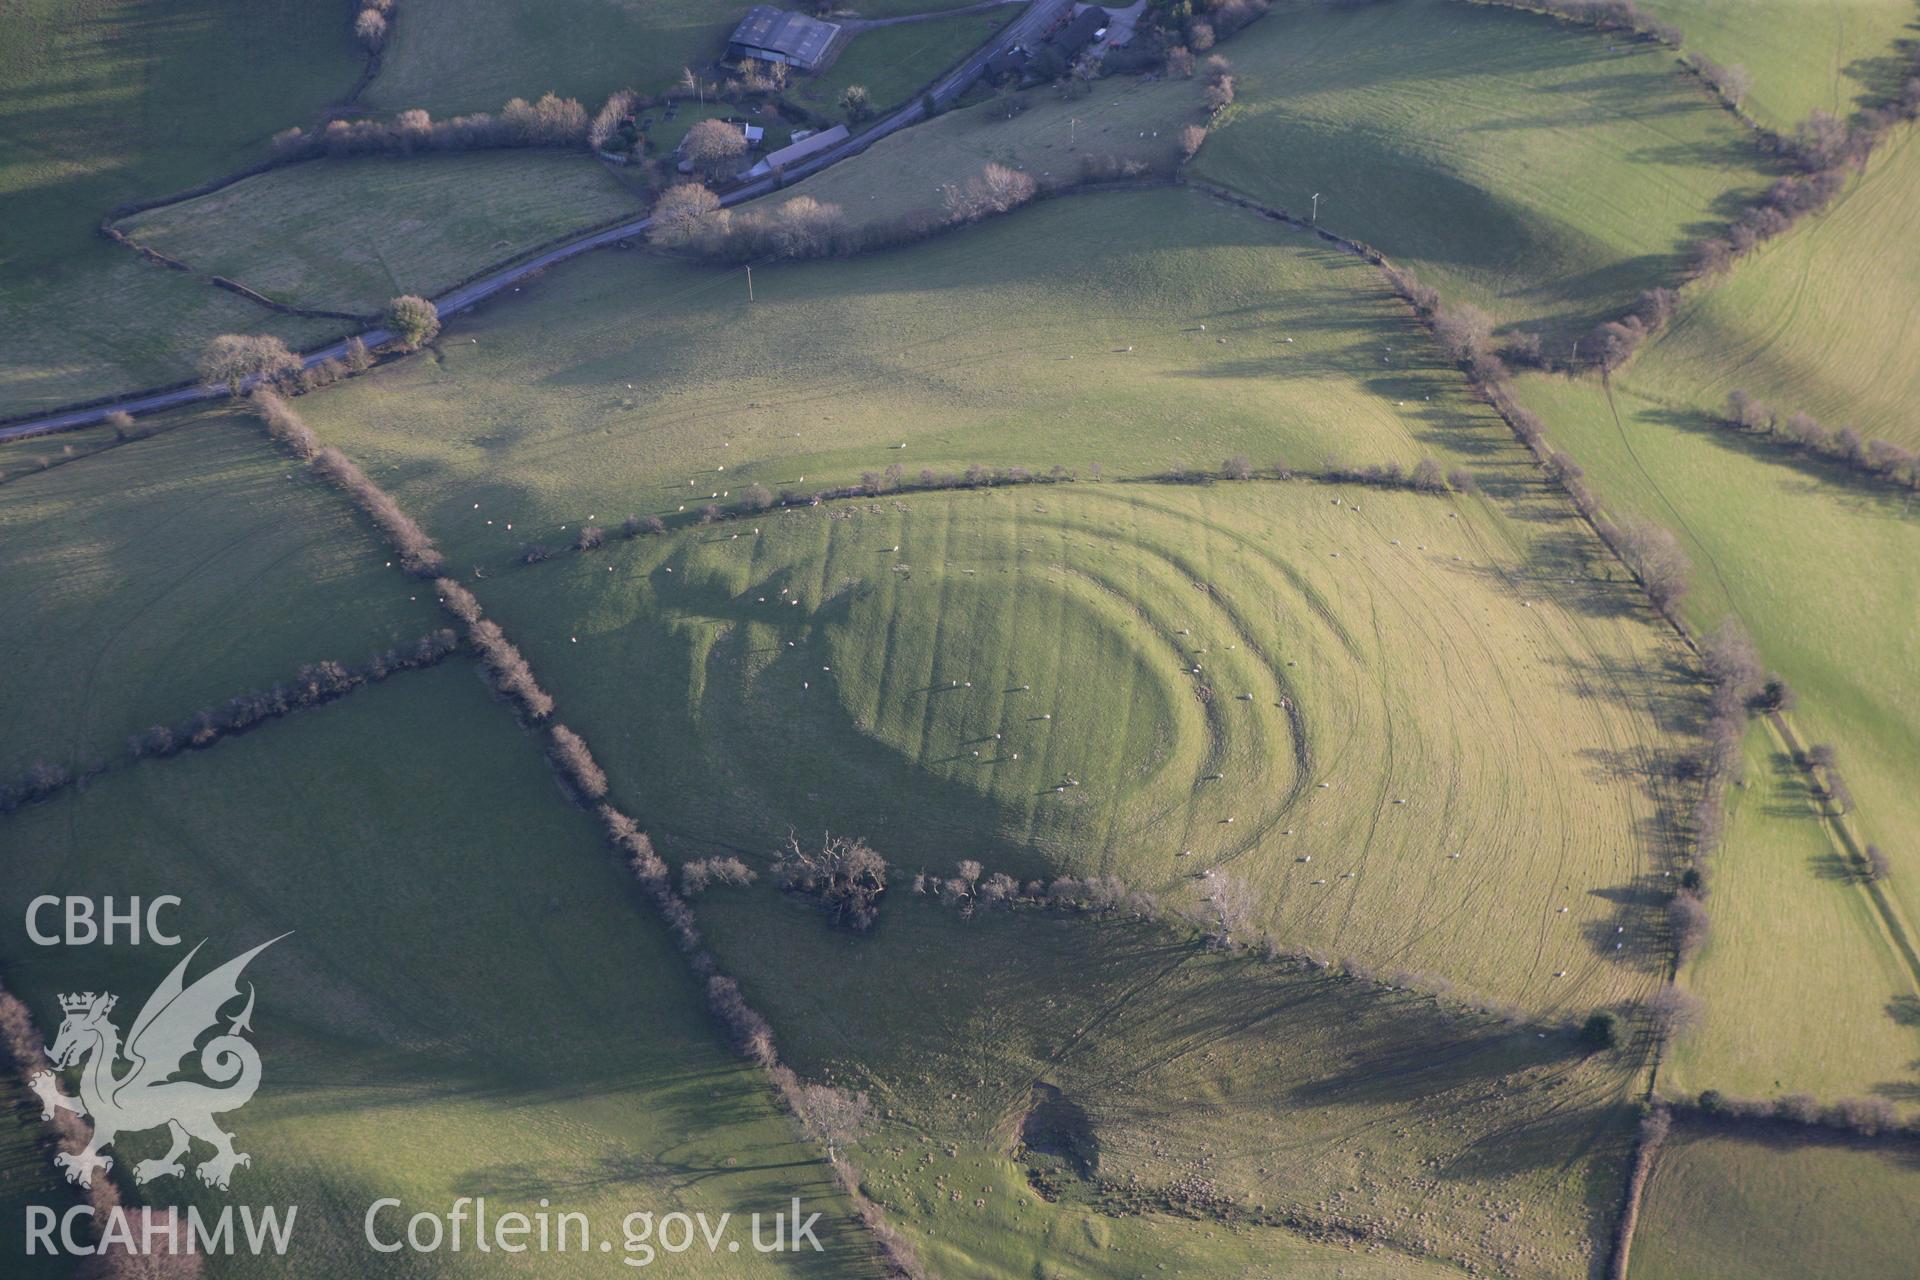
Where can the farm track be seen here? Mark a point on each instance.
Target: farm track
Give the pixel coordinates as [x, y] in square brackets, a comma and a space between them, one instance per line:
[1038, 17]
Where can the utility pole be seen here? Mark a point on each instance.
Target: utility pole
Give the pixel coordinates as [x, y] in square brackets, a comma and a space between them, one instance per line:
[1314, 221]
[749, 282]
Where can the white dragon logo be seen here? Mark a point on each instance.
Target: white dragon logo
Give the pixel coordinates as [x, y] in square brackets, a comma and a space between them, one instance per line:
[146, 1096]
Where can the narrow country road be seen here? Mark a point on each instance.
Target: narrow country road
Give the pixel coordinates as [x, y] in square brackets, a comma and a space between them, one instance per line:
[1040, 15]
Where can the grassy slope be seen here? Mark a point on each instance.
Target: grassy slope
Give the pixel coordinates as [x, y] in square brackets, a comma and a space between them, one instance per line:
[454, 56]
[1413, 678]
[1803, 54]
[1720, 1206]
[347, 235]
[1820, 569]
[1276, 1088]
[609, 384]
[1527, 165]
[895, 63]
[535, 425]
[1820, 321]
[1796, 964]
[1050, 136]
[472, 1000]
[169, 574]
[109, 101]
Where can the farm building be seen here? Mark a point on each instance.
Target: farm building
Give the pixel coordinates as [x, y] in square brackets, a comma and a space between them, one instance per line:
[798, 151]
[777, 35]
[1080, 32]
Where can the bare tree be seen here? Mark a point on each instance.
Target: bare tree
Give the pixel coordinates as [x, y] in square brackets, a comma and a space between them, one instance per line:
[1230, 903]
[836, 1117]
[1191, 139]
[370, 29]
[714, 146]
[845, 874]
[685, 215]
[856, 102]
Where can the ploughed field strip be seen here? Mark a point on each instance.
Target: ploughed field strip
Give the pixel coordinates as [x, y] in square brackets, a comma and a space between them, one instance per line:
[1345, 696]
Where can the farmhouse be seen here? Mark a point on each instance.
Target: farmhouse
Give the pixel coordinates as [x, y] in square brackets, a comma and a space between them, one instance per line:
[795, 152]
[777, 35]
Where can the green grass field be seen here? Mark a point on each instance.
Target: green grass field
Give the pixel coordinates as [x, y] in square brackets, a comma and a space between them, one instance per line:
[1822, 573]
[346, 235]
[626, 382]
[1818, 321]
[1354, 723]
[1781, 1206]
[452, 57]
[897, 63]
[1797, 962]
[1533, 167]
[1803, 54]
[1233, 1091]
[472, 1000]
[167, 575]
[111, 101]
[1126, 117]
[1818, 566]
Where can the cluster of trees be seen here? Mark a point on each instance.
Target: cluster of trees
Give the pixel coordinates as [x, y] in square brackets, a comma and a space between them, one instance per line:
[970, 889]
[575, 764]
[38, 781]
[1464, 331]
[1879, 459]
[699, 874]
[995, 189]
[312, 685]
[845, 875]
[714, 147]
[413, 321]
[1867, 1117]
[613, 113]
[1218, 95]
[650, 871]
[552, 121]
[1822, 763]
[1656, 558]
[506, 668]
[689, 216]
[237, 360]
[1425, 477]
[1732, 82]
[1613, 342]
[1825, 149]
[409, 541]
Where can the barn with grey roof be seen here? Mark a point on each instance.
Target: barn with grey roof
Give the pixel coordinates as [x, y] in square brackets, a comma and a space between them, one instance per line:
[778, 35]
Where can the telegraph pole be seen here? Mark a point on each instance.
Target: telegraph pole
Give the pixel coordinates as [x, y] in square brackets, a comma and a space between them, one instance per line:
[1314, 221]
[749, 282]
